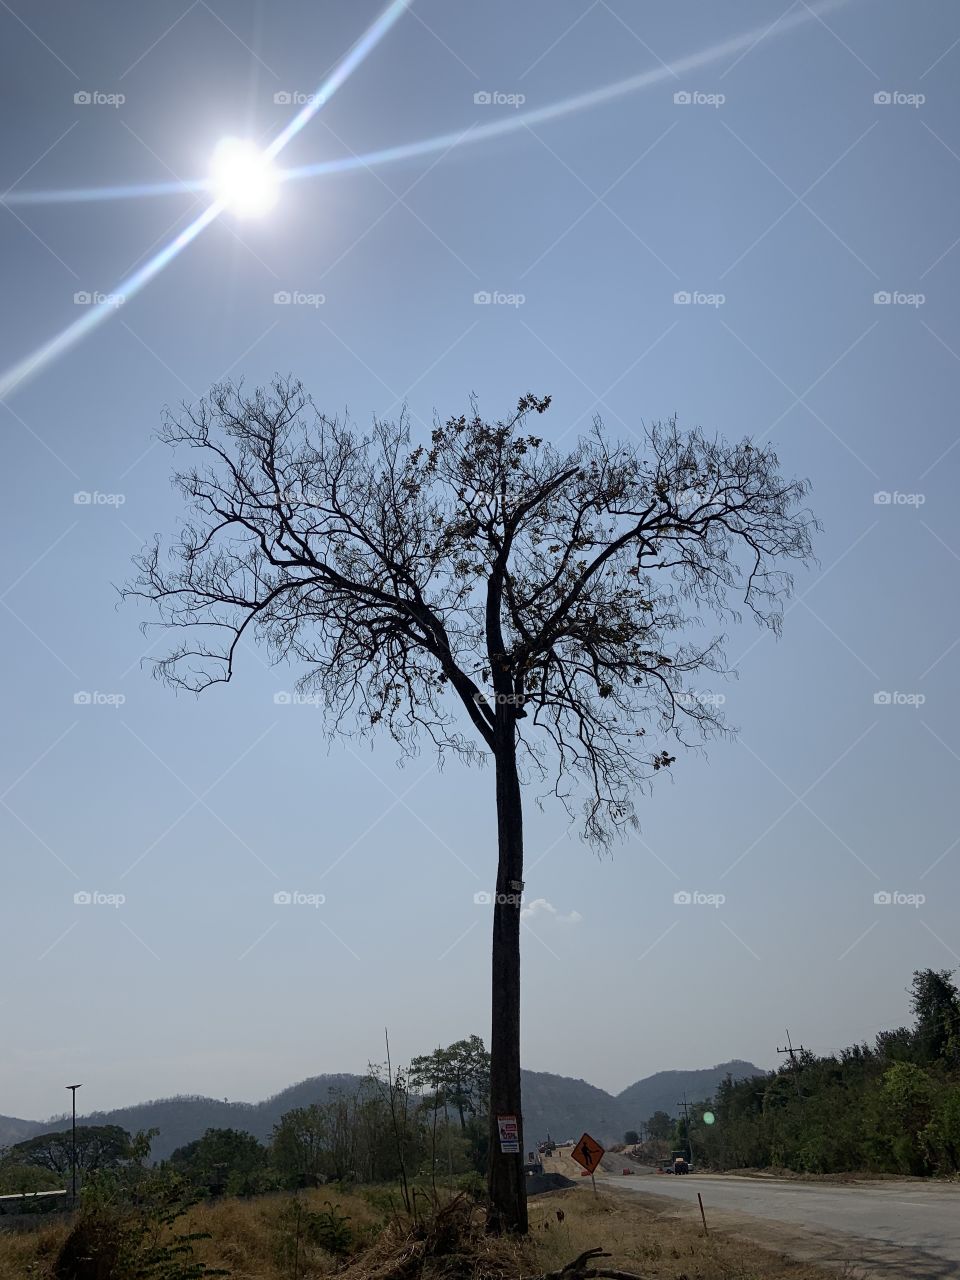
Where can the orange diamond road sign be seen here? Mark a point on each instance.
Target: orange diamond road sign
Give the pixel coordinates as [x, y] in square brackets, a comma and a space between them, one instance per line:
[588, 1152]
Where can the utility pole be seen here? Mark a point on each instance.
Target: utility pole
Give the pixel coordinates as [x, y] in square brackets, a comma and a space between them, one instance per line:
[791, 1053]
[73, 1149]
[686, 1118]
[789, 1050]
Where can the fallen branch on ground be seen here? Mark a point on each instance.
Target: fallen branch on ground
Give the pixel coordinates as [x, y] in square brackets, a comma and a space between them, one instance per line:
[579, 1270]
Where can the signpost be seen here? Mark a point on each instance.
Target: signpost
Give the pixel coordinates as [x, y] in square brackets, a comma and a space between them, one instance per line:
[588, 1153]
[509, 1134]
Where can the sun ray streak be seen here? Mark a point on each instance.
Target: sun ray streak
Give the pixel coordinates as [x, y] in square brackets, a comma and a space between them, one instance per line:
[387, 155]
[427, 146]
[100, 311]
[105, 307]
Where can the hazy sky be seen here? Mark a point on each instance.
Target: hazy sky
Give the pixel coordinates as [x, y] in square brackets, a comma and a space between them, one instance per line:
[783, 196]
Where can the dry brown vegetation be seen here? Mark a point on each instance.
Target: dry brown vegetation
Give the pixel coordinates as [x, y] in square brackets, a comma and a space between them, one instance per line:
[249, 1238]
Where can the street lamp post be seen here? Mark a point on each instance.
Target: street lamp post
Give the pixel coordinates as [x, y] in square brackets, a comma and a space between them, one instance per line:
[73, 1149]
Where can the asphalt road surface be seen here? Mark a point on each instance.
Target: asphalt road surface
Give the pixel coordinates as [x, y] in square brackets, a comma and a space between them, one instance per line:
[897, 1228]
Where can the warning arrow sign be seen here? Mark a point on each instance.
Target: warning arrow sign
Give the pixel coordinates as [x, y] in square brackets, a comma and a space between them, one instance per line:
[588, 1153]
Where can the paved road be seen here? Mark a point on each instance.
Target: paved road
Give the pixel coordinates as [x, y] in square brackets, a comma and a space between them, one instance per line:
[916, 1226]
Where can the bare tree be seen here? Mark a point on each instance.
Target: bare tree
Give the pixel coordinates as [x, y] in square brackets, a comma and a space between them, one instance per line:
[487, 590]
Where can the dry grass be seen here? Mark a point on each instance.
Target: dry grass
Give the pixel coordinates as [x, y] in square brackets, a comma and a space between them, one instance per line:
[244, 1235]
[29, 1254]
[650, 1242]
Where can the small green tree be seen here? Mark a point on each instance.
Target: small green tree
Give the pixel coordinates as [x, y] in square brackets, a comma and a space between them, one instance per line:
[299, 1148]
[223, 1161]
[458, 1077]
[907, 1100]
[936, 1008]
[631, 1137]
[660, 1126]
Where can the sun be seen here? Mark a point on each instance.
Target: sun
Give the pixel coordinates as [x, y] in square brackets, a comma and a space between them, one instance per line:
[244, 178]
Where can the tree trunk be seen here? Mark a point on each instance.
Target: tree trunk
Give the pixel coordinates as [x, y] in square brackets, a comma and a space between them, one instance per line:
[505, 1179]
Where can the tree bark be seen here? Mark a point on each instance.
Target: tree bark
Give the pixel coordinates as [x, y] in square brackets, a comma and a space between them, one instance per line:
[505, 1178]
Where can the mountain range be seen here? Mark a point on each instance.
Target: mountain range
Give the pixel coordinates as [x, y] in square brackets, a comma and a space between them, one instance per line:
[562, 1106]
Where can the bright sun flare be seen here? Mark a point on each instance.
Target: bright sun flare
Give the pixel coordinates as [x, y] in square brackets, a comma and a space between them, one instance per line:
[244, 178]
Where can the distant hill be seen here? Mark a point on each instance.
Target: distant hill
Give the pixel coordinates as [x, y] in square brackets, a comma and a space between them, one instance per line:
[565, 1108]
[182, 1119]
[556, 1104]
[14, 1130]
[662, 1091]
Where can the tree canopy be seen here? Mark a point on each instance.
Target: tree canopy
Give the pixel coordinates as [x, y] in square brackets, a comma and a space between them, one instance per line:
[104, 1146]
[487, 564]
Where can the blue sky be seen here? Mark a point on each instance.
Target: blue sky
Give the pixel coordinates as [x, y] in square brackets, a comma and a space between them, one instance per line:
[781, 197]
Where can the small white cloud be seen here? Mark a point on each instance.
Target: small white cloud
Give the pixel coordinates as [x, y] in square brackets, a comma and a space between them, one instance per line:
[541, 907]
